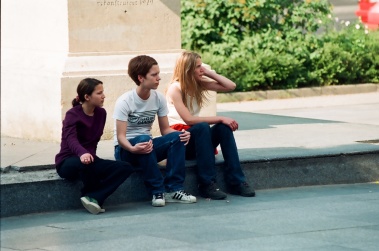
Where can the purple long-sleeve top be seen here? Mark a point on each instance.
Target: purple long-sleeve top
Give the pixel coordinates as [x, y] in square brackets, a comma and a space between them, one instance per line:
[81, 133]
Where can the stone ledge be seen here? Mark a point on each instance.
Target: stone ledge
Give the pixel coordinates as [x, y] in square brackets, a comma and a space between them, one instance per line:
[296, 93]
[43, 191]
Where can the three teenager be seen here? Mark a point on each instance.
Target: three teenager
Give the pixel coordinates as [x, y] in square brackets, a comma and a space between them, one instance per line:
[185, 135]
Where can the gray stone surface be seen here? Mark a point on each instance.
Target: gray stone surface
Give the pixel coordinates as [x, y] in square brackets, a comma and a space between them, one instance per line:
[282, 143]
[45, 191]
[334, 217]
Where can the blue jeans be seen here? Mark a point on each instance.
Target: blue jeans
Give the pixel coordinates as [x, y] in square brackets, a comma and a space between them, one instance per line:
[167, 147]
[204, 139]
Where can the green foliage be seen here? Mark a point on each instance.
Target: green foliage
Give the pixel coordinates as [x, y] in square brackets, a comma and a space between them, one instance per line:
[279, 44]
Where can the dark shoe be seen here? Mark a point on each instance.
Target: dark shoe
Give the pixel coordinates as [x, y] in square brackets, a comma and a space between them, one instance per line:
[242, 189]
[91, 205]
[211, 191]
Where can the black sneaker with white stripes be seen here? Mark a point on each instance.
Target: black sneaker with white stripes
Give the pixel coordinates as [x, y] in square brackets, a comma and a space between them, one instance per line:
[180, 196]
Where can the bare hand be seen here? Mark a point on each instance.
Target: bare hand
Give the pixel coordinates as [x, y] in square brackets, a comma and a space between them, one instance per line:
[206, 71]
[86, 158]
[185, 136]
[231, 123]
[143, 148]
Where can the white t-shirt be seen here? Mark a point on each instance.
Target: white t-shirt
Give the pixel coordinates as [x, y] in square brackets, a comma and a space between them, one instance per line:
[173, 115]
[138, 113]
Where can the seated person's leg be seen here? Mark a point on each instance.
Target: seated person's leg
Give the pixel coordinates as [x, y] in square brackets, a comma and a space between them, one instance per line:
[234, 176]
[171, 148]
[201, 145]
[152, 176]
[70, 168]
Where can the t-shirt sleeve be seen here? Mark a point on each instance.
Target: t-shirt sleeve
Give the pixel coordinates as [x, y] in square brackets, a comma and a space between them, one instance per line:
[121, 110]
[163, 109]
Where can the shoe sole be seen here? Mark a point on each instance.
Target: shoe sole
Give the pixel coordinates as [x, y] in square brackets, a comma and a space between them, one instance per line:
[243, 195]
[161, 204]
[91, 207]
[248, 195]
[221, 197]
[179, 201]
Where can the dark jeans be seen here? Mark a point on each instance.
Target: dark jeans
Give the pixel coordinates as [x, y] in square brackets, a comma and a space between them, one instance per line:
[167, 147]
[100, 178]
[204, 139]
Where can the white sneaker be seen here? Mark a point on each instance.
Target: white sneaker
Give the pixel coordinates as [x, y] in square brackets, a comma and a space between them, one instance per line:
[180, 196]
[158, 200]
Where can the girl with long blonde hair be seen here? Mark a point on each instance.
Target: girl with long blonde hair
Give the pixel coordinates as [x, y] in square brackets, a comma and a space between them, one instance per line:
[185, 96]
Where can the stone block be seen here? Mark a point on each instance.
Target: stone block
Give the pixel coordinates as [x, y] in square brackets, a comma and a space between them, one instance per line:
[91, 39]
[123, 26]
[44, 191]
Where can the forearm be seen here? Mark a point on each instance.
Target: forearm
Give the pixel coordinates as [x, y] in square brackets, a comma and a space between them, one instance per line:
[124, 143]
[225, 83]
[197, 119]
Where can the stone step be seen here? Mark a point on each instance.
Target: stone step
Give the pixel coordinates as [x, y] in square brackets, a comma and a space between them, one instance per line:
[41, 190]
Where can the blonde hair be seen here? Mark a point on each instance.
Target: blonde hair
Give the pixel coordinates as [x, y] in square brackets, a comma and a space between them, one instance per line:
[184, 74]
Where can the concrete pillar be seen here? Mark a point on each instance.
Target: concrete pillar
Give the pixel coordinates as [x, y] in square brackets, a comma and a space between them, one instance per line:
[34, 49]
[49, 46]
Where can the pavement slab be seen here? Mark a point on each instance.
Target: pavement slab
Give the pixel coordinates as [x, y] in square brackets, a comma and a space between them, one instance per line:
[334, 217]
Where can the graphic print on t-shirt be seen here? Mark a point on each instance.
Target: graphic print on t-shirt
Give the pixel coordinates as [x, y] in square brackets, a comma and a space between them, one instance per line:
[142, 118]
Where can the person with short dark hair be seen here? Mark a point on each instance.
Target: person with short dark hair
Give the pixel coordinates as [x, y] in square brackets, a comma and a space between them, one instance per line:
[82, 129]
[134, 115]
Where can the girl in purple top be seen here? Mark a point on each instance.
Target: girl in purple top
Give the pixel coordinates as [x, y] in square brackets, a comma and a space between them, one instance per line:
[82, 129]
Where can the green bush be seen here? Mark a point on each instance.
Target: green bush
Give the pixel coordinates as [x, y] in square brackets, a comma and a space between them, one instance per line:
[278, 44]
[261, 62]
[363, 49]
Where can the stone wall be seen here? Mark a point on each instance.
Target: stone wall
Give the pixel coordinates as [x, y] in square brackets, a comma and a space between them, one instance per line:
[49, 46]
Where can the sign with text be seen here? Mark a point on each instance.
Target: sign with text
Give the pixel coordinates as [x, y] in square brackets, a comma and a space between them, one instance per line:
[123, 26]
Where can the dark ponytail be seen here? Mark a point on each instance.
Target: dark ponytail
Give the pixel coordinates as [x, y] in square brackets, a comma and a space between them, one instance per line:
[86, 86]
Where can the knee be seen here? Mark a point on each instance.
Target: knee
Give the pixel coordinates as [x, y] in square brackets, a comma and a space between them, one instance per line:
[142, 138]
[201, 127]
[175, 137]
[176, 134]
[222, 128]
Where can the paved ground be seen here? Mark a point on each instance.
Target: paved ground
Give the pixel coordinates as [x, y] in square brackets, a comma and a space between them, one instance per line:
[340, 217]
[345, 9]
[343, 217]
[312, 123]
